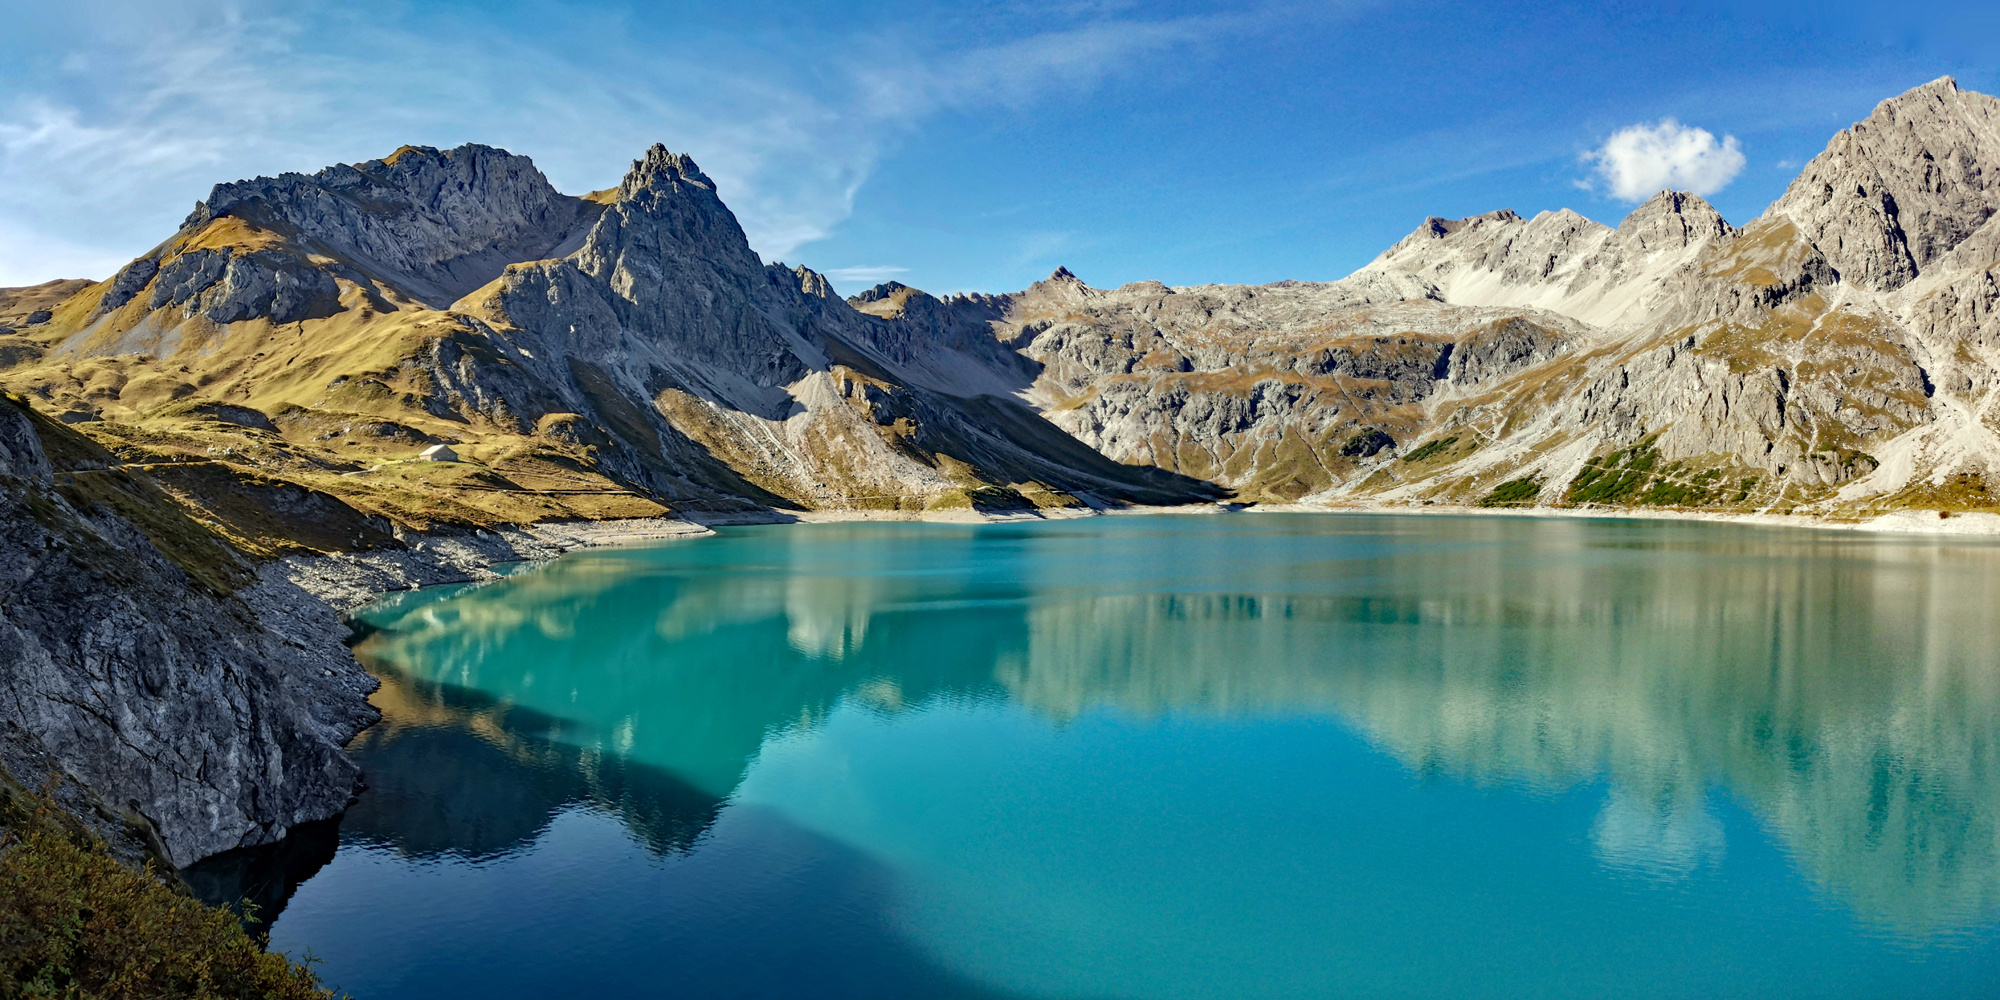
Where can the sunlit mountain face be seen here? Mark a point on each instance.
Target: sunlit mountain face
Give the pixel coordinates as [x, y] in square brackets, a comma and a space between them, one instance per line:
[1113, 756]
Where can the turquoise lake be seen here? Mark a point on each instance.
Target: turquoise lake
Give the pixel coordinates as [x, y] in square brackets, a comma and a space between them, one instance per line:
[1201, 756]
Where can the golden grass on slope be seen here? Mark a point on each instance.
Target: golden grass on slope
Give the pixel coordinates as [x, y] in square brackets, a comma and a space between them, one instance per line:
[1959, 493]
[231, 232]
[1755, 256]
[304, 403]
[17, 304]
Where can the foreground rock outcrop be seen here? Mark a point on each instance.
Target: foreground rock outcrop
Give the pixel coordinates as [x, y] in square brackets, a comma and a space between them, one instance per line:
[144, 677]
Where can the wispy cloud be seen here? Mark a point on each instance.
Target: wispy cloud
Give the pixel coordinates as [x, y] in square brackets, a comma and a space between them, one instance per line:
[1019, 72]
[1641, 160]
[864, 275]
[105, 148]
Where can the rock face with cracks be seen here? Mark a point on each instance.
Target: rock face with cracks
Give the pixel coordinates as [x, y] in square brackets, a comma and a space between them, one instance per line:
[175, 714]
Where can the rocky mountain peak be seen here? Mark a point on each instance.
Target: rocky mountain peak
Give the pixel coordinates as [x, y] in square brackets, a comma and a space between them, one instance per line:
[433, 223]
[661, 169]
[1937, 91]
[1901, 188]
[1673, 220]
[1063, 274]
[885, 290]
[1436, 228]
[809, 282]
[665, 216]
[461, 187]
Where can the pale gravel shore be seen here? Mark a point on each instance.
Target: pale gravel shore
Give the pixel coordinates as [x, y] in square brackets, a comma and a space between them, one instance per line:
[1924, 522]
[959, 515]
[347, 580]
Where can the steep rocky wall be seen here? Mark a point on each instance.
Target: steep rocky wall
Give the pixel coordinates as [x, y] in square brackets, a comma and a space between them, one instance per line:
[1897, 191]
[199, 718]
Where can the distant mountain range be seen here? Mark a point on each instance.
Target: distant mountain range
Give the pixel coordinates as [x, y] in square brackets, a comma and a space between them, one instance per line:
[626, 352]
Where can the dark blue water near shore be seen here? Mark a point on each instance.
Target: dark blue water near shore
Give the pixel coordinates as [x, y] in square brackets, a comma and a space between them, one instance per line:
[1222, 756]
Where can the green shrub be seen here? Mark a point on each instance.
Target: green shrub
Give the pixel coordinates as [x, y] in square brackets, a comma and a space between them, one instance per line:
[1431, 449]
[76, 924]
[1599, 485]
[1513, 493]
[1617, 477]
[1667, 493]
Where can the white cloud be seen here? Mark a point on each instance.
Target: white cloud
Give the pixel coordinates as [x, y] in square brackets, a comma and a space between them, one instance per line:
[864, 275]
[1641, 160]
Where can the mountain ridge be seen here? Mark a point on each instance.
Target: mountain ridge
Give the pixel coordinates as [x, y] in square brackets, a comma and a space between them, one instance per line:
[632, 335]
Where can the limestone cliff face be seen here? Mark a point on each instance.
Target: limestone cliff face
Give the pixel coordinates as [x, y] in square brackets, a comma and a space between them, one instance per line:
[422, 226]
[168, 707]
[665, 311]
[1836, 353]
[1273, 391]
[1896, 192]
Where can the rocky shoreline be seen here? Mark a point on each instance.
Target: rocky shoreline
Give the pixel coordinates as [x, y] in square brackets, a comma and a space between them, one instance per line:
[1901, 522]
[302, 603]
[343, 581]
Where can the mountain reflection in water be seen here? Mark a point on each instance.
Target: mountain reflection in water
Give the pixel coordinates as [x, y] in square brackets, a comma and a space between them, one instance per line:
[1842, 687]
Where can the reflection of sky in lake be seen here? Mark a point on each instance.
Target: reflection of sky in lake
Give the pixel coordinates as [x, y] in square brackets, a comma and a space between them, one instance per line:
[1200, 756]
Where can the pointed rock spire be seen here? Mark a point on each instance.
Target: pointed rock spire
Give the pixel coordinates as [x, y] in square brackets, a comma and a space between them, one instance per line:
[661, 168]
[1672, 220]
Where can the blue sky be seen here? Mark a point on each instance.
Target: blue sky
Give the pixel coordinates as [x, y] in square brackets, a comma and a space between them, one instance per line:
[958, 147]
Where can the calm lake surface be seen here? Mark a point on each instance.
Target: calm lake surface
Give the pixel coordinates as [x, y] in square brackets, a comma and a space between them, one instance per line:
[1189, 756]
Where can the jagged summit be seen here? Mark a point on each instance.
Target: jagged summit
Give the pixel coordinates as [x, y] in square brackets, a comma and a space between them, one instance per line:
[885, 290]
[661, 167]
[1673, 220]
[1899, 189]
[1439, 228]
[1558, 260]
[1941, 89]
[1064, 274]
[421, 226]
